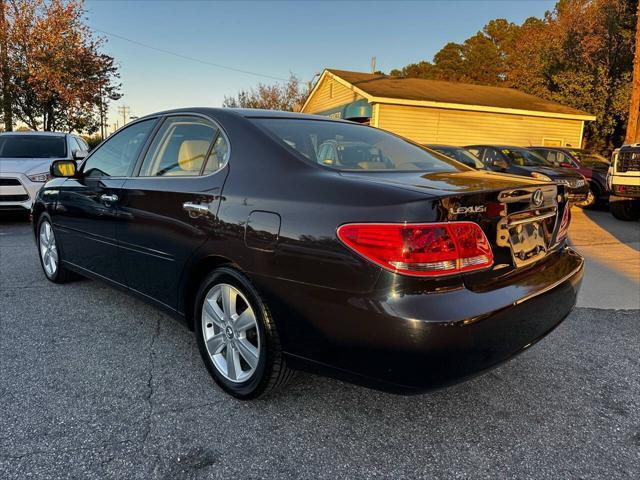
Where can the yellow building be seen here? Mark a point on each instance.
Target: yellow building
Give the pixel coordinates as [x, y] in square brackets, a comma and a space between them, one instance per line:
[436, 112]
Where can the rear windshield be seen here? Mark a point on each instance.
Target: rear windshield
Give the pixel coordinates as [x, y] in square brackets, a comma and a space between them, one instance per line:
[32, 146]
[526, 158]
[461, 155]
[349, 146]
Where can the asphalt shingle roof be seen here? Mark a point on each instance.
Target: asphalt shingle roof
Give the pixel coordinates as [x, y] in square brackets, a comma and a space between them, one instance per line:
[449, 92]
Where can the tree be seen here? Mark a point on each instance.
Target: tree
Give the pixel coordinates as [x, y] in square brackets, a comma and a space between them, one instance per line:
[633, 126]
[59, 78]
[580, 54]
[5, 76]
[289, 96]
[481, 59]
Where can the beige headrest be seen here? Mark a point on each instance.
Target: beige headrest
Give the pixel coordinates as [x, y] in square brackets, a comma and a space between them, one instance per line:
[191, 154]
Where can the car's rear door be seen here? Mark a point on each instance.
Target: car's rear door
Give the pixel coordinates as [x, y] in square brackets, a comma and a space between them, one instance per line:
[87, 210]
[169, 206]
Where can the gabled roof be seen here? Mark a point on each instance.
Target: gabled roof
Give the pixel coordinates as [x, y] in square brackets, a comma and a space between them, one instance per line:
[417, 91]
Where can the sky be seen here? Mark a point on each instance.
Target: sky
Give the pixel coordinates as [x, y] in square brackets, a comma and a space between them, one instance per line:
[272, 39]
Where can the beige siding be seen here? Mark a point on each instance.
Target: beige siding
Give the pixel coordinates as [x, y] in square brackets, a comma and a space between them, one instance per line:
[463, 127]
[330, 94]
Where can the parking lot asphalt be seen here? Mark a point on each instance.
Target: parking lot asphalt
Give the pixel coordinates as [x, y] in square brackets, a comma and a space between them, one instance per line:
[612, 252]
[95, 384]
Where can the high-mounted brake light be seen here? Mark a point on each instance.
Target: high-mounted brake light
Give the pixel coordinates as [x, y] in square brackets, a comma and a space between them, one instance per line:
[425, 249]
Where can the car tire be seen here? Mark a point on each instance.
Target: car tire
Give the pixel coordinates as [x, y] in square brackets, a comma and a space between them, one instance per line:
[592, 198]
[624, 208]
[49, 252]
[245, 363]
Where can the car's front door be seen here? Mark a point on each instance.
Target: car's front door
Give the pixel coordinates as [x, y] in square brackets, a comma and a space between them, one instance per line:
[86, 212]
[169, 207]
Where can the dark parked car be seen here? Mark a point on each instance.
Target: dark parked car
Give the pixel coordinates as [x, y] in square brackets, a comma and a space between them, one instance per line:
[411, 275]
[590, 165]
[523, 161]
[458, 153]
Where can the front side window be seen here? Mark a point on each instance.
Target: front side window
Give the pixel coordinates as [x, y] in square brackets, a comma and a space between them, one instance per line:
[33, 146]
[75, 145]
[83, 144]
[355, 147]
[491, 155]
[117, 156]
[180, 148]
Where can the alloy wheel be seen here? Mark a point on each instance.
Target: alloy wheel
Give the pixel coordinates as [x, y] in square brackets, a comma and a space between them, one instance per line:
[48, 249]
[231, 333]
[589, 201]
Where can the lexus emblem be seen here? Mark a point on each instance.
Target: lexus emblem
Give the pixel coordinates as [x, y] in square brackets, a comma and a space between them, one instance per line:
[537, 198]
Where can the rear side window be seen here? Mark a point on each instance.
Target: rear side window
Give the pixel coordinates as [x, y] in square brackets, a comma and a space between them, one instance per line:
[219, 155]
[181, 148]
[349, 146]
[118, 154]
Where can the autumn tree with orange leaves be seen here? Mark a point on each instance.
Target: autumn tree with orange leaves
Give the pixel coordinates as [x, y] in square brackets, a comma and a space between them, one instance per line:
[54, 76]
[580, 54]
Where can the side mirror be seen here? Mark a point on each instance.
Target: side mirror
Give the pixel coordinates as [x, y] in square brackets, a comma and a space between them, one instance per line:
[63, 168]
[566, 165]
[80, 154]
[500, 163]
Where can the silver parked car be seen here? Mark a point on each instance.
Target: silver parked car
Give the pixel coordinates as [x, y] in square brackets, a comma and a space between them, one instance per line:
[25, 158]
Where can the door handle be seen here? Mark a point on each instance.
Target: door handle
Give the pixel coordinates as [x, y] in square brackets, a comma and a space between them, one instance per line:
[195, 209]
[109, 198]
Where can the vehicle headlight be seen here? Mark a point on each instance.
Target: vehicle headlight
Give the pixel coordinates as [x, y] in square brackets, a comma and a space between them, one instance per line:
[540, 176]
[39, 177]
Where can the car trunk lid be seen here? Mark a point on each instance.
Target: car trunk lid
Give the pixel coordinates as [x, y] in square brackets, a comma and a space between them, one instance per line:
[519, 216]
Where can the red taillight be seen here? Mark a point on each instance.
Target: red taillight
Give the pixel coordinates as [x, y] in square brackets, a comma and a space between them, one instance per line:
[564, 223]
[425, 249]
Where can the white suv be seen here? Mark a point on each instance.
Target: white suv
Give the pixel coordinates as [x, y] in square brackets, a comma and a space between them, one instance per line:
[623, 180]
[25, 158]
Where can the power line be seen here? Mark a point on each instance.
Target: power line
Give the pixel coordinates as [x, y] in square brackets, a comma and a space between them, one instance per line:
[187, 57]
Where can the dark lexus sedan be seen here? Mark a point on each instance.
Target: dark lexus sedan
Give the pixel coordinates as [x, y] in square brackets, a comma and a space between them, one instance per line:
[524, 161]
[590, 165]
[376, 261]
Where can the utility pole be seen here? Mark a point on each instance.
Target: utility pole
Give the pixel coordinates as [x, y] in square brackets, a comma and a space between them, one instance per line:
[373, 64]
[633, 128]
[102, 122]
[7, 100]
[124, 111]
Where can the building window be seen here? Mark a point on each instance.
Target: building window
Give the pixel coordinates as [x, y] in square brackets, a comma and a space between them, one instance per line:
[551, 142]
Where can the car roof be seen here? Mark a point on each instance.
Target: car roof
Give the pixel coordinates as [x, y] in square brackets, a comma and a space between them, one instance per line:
[245, 112]
[442, 145]
[510, 147]
[47, 134]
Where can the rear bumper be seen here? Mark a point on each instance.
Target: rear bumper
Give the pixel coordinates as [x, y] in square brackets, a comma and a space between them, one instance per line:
[626, 184]
[409, 341]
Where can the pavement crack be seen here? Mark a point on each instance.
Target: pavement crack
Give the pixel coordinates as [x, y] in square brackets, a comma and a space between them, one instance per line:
[151, 391]
[58, 451]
